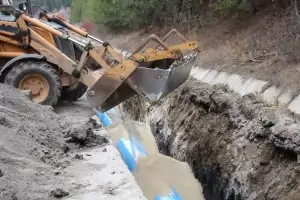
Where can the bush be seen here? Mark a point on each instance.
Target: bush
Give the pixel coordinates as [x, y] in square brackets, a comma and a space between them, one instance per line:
[227, 4]
[77, 10]
[131, 14]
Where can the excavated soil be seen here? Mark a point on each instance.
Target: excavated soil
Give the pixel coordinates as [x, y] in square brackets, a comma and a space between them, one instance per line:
[35, 145]
[238, 147]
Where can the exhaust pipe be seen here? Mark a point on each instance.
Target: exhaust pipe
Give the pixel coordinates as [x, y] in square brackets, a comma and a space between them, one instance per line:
[29, 8]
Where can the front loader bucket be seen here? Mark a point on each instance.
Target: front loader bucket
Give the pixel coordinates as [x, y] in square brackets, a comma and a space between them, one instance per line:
[155, 83]
[152, 73]
[151, 83]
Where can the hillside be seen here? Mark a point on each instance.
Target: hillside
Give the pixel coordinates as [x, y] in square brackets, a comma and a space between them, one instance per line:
[263, 44]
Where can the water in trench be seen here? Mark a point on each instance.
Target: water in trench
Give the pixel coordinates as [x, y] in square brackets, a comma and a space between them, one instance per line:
[156, 174]
[238, 148]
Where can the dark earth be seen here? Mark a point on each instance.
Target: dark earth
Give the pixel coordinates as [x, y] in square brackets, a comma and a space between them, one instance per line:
[238, 147]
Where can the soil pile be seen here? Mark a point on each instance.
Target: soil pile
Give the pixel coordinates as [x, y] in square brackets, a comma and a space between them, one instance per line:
[34, 145]
[238, 148]
[83, 135]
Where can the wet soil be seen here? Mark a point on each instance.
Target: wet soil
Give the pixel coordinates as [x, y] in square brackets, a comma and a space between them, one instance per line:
[36, 144]
[238, 147]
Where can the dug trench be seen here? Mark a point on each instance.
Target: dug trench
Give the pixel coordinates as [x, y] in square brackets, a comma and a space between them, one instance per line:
[238, 147]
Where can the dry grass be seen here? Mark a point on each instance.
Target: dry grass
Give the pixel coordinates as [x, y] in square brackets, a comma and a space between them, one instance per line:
[266, 47]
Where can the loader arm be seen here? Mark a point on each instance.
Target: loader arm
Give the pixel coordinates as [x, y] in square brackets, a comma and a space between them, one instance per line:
[148, 56]
[54, 55]
[78, 70]
[156, 71]
[111, 78]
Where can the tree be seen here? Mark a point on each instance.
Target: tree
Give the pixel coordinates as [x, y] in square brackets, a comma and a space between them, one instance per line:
[77, 10]
[128, 14]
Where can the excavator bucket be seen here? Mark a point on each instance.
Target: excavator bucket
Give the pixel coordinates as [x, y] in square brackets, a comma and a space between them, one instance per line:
[152, 73]
[155, 83]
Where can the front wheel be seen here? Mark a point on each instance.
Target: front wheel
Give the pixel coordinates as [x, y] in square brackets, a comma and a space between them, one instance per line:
[40, 78]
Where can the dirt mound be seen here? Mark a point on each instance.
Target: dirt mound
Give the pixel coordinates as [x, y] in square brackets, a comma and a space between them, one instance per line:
[32, 146]
[239, 148]
[83, 135]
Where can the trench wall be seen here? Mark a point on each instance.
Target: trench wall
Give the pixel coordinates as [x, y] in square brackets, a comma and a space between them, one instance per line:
[238, 147]
[271, 94]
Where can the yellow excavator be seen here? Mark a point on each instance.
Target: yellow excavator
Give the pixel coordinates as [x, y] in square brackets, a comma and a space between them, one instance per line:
[55, 60]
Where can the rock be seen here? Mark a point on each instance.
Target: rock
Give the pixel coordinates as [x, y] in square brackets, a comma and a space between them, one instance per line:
[66, 131]
[27, 93]
[43, 157]
[59, 193]
[4, 122]
[79, 156]
[1, 173]
[83, 135]
[46, 151]
[94, 120]
[104, 150]
[66, 148]
[266, 123]
[57, 171]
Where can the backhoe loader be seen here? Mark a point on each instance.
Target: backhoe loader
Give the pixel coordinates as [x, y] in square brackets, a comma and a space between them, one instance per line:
[55, 59]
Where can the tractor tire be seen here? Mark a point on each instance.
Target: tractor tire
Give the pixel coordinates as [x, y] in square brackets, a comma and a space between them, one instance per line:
[39, 77]
[73, 92]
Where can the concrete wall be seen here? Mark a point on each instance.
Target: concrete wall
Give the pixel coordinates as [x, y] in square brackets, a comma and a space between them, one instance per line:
[271, 94]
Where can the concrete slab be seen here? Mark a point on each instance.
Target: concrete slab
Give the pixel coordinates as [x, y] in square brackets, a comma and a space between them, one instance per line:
[200, 73]
[210, 76]
[294, 106]
[194, 71]
[235, 83]
[271, 94]
[222, 78]
[245, 86]
[286, 97]
[253, 86]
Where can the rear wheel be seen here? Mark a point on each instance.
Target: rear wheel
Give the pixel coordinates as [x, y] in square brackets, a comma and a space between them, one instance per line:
[40, 78]
[73, 92]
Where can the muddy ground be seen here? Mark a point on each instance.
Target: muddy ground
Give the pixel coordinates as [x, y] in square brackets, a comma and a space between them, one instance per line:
[48, 155]
[239, 148]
